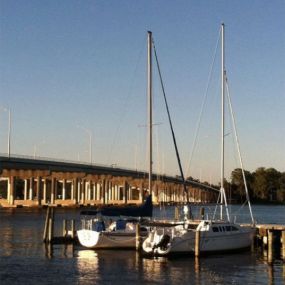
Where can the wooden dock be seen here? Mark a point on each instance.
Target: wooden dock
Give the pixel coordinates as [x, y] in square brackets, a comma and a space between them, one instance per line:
[271, 238]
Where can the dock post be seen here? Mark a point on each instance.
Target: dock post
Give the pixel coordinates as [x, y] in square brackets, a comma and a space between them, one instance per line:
[283, 244]
[197, 243]
[138, 237]
[64, 228]
[176, 214]
[270, 245]
[51, 225]
[45, 235]
[252, 246]
[72, 225]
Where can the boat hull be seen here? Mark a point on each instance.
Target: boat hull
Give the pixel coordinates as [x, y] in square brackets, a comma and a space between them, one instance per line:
[106, 240]
[212, 243]
[183, 241]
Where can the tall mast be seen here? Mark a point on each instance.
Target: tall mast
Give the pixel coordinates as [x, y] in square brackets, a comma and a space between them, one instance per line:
[222, 190]
[149, 93]
[223, 121]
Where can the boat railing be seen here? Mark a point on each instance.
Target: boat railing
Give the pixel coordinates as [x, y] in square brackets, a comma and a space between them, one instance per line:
[87, 224]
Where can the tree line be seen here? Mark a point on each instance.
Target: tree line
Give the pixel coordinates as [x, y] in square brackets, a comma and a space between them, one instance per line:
[264, 185]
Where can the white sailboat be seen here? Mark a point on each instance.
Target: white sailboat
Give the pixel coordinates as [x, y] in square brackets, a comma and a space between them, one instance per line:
[122, 233]
[216, 234]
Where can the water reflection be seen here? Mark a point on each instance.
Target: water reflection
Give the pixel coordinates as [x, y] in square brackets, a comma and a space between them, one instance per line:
[23, 254]
[121, 267]
[89, 254]
[54, 251]
[128, 266]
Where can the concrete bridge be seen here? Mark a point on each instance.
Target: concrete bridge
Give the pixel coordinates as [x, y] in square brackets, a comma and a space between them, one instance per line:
[39, 182]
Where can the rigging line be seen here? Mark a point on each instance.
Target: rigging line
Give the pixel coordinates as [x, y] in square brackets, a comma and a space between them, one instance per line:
[123, 113]
[203, 106]
[157, 155]
[171, 127]
[216, 206]
[238, 148]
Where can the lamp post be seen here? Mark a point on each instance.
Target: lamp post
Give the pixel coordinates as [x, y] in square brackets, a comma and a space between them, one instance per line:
[9, 128]
[90, 141]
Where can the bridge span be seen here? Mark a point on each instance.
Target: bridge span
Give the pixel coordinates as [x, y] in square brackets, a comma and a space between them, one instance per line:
[39, 182]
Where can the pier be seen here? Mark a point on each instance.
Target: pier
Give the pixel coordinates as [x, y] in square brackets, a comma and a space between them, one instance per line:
[27, 182]
[271, 239]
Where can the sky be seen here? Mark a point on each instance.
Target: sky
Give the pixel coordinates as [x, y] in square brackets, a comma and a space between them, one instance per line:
[69, 68]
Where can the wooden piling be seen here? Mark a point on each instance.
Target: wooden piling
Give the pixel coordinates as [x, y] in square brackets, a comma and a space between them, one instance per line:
[51, 226]
[64, 228]
[49, 250]
[283, 244]
[252, 246]
[72, 228]
[176, 214]
[138, 237]
[197, 243]
[197, 264]
[45, 235]
[270, 246]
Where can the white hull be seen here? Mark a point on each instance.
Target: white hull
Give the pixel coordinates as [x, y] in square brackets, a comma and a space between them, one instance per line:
[183, 241]
[210, 243]
[110, 240]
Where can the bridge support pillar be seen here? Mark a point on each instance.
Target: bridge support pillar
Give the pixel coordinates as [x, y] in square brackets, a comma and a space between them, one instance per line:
[102, 192]
[125, 192]
[39, 194]
[11, 190]
[82, 191]
[72, 190]
[63, 189]
[31, 194]
[154, 194]
[108, 191]
[98, 191]
[78, 192]
[44, 191]
[88, 186]
[52, 193]
[25, 189]
[141, 194]
[86, 190]
[94, 191]
[113, 192]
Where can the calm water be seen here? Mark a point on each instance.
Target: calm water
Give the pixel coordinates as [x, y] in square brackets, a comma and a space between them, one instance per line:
[24, 259]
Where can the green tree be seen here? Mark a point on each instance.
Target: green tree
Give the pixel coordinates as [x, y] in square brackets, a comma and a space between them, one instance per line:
[260, 190]
[281, 190]
[237, 183]
[273, 184]
[266, 183]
